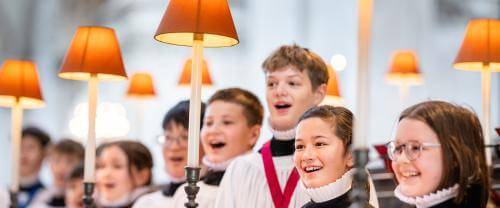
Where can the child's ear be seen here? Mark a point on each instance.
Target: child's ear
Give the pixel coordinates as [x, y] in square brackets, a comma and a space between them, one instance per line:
[140, 177]
[255, 131]
[350, 159]
[319, 94]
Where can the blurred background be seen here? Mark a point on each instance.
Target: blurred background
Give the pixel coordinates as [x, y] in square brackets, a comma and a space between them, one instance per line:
[434, 29]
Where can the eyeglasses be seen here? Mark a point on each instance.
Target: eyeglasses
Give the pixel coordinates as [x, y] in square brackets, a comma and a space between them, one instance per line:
[169, 141]
[412, 149]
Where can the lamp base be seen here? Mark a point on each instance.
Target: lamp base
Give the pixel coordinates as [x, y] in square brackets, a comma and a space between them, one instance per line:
[88, 190]
[192, 177]
[359, 195]
[13, 199]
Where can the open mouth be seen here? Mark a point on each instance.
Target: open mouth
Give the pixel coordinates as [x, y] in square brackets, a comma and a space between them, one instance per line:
[217, 144]
[410, 174]
[311, 169]
[176, 159]
[282, 106]
[109, 185]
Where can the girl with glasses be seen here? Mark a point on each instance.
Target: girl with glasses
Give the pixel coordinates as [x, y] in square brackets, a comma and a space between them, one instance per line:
[438, 157]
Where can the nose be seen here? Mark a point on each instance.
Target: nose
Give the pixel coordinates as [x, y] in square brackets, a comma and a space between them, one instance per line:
[281, 90]
[402, 158]
[309, 154]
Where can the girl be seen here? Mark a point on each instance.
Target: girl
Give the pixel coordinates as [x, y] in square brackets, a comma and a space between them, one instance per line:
[231, 128]
[323, 159]
[438, 157]
[123, 171]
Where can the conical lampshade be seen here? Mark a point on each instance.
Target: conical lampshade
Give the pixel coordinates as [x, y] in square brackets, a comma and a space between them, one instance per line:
[185, 18]
[141, 86]
[332, 90]
[93, 50]
[19, 82]
[185, 78]
[481, 46]
[404, 69]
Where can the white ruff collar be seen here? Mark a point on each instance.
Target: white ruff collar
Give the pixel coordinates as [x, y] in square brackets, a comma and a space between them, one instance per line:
[332, 190]
[282, 135]
[221, 166]
[428, 200]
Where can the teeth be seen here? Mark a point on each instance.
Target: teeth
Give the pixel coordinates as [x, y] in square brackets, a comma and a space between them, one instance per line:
[409, 174]
[311, 169]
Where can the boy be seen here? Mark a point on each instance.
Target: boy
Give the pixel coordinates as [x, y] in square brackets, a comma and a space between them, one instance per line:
[296, 81]
[74, 188]
[63, 157]
[175, 126]
[34, 142]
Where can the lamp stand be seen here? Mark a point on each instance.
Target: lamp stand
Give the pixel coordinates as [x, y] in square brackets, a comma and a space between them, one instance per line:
[192, 177]
[359, 195]
[88, 190]
[17, 120]
[486, 108]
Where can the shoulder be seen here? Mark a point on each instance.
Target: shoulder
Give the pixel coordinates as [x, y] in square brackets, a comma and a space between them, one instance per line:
[154, 199]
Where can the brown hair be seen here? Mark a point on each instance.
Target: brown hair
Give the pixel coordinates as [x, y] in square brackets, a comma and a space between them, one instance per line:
[300, 58]
[252, 108]
[340, 119]
[70, 148]
[460, 134]
[137, 154]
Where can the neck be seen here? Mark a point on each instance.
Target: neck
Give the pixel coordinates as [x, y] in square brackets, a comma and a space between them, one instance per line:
[430, 199]
[29, 179]
[284, 135]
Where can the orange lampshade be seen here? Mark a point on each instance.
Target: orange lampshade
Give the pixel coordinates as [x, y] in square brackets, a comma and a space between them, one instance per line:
[404, 69]
[185, 79]
[184, 18]
[19, 82]
[332, 88]
[141, 86]
[481, 46]
[93, 50]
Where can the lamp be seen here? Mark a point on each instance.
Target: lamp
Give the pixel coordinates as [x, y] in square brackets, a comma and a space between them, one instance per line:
[185, 78]
[404, 72]
[19, 88]
[332, 89]
[94, 55]
[480, 51]
[140, 89]
[196, 23]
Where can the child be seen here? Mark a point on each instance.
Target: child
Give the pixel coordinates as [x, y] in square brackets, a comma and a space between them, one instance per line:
[175, 126]
[34, 143]
[63, 157]
[323, 158]
[438, 157]
[231, 128]
[123, 171]
[296, 81]
[74, 188]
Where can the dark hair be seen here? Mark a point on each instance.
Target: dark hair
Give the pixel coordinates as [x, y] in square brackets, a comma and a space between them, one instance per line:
[69, 147]
[252, 108]
[460, 134]
[300, 58]
[76, 173]
[340, 119]
[180, 114]
[38, 134]
[137, 154]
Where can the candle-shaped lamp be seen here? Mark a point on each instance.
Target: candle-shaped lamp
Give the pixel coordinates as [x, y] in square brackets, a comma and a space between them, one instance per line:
[185, 79]
[94, 55]
[404, 72]
[197, 24]
[19, 88]
[332, 89]
[141, 89]
[480, 51]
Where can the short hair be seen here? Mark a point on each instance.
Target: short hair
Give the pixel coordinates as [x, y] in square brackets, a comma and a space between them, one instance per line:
[252, 108]
[69, 147]
[460, 134]
[76, 172]
[137, 154]
[300, 58]
[180, 114]
[341, 120]
[38, 134]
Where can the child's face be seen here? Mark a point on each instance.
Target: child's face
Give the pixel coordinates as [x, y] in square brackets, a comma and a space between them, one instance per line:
[175, 149]
[289, 93]
[61, 165]
[225, 132]
[113, 177]
[74, 193]
[422, 175]
[32, 154]
[320, 156]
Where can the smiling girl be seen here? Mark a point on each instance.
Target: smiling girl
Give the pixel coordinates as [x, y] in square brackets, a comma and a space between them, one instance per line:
[122, 173]
[323, 159]
[438, 157]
